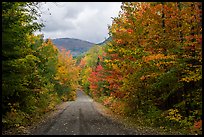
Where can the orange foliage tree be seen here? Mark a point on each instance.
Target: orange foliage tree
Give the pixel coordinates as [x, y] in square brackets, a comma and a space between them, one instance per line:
[153, 62]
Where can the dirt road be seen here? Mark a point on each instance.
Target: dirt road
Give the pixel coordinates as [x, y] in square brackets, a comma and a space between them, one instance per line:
[81, 117]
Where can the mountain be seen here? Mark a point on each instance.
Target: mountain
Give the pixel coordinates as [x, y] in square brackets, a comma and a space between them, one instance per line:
[76, 46]
[105, 41]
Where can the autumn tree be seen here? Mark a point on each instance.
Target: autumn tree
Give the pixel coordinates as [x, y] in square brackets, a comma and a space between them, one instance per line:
[66, 76]
[153, 63]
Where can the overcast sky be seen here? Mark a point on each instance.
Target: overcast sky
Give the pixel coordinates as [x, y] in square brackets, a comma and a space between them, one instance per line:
[82, 20]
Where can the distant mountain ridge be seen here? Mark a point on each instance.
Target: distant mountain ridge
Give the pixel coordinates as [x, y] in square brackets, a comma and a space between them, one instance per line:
[76, 46]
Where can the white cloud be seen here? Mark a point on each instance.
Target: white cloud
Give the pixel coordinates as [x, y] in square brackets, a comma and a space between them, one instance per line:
[82, 20]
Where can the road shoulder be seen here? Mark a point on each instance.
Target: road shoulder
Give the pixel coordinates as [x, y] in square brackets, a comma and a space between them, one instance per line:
[38, 124]
[128, 122]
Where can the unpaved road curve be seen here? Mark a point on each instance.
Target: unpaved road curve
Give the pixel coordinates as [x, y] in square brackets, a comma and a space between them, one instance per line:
[80, 117]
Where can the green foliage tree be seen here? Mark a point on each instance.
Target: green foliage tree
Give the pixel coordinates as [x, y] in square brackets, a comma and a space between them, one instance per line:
[18, 62]
[30, 66]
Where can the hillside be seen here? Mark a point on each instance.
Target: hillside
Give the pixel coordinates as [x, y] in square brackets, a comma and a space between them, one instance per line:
[76, 46]
[105, 41]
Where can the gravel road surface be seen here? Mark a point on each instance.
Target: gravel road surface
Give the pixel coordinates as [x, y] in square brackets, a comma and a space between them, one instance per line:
[81, 117]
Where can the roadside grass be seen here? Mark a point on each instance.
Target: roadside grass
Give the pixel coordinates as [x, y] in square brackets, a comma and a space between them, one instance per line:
[19, 121]
[151, 123]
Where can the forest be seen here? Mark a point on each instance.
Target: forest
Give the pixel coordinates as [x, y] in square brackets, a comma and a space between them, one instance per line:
[151, 70]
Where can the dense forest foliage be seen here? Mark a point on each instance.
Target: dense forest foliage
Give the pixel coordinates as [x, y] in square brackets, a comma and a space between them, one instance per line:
[152, 68]
[35, 74]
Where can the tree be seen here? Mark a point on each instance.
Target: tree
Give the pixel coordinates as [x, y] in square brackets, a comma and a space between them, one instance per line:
[153, 62]
[18, 62]
[66, 76]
